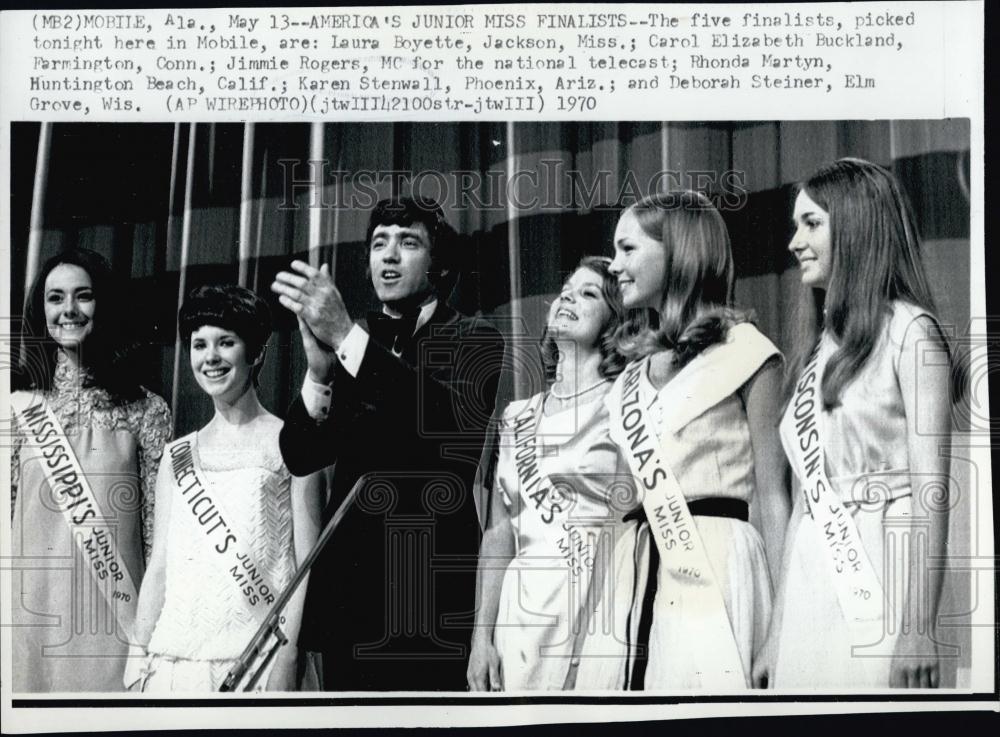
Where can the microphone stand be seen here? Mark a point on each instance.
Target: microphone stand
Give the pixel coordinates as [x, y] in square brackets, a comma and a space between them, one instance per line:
[269, 638]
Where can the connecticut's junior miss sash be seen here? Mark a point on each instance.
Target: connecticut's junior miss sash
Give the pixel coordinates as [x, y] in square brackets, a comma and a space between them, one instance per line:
[701, 384]
[92, 530]
[227, 547]
[857, 585]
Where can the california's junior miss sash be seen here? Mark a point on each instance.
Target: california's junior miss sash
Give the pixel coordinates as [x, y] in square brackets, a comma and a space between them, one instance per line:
[550, 500]
[92, 530]
[226, 546]
[682, 553]
[858, 588]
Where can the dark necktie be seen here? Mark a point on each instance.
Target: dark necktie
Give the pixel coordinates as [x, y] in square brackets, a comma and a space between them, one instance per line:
[392, 332]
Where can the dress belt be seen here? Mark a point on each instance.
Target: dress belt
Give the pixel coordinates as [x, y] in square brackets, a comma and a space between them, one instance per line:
[712, 506]
[873, 487]
[870, 491]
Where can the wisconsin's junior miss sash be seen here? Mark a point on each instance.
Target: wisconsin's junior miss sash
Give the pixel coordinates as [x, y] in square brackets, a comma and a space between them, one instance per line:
[92, 530]
[858, 588]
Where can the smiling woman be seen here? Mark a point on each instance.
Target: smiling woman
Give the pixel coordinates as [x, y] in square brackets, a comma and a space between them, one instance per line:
[703, 385]
[82, 468]
[227, 504]
[558, 512]
[811, 242]
[69, 306]
[870, 398]
[220, 362]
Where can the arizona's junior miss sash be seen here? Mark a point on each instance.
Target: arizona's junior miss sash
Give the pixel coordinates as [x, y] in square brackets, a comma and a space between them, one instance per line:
[92, 530]
[226, 546]
[682, 554]
[858, 588]
[706, 380]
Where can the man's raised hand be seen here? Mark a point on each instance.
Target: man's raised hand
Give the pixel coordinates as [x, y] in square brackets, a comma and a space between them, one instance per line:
[311, 294]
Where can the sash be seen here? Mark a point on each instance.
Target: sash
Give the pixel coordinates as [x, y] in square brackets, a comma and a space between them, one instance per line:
[682, 553]
[552, 502]
[713, 375]
[706, 380]
[858, 588]
[227, 547]
[548, 499]
[91, 529]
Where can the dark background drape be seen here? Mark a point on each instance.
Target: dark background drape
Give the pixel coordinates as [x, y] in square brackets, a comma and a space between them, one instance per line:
[173, 206]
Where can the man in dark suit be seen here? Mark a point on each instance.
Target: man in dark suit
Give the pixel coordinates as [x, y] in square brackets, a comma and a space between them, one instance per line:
[400, 402]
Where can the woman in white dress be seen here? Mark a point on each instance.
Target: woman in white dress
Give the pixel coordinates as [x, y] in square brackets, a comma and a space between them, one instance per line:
[558, 507]
[231, 522]
[867, 417]
[695, 414]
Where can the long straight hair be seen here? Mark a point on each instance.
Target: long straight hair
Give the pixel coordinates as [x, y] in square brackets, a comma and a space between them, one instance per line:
[106, 354]
[695, 305]
[875, 260]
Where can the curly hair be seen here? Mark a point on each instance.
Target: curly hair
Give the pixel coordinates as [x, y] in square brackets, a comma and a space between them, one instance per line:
[107, 354]
[612, 360]
[695, 306]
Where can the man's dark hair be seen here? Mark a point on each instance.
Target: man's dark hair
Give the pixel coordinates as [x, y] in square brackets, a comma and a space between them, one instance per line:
[406, 211]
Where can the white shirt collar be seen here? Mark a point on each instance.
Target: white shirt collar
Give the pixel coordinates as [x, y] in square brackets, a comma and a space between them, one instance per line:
[425, 314]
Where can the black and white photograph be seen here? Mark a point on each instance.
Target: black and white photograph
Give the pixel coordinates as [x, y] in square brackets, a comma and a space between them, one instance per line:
[575, 412]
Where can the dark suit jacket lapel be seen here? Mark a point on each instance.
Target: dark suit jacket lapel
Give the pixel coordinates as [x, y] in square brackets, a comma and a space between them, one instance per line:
[443, 315]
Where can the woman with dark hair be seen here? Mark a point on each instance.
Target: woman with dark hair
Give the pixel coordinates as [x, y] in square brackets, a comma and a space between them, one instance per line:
[558, 504]
[872, 475]
[231, 522]
[694, 413]
[89, 438]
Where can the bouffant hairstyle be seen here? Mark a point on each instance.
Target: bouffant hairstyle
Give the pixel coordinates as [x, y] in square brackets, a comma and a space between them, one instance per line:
[612, 360]
[229, 307]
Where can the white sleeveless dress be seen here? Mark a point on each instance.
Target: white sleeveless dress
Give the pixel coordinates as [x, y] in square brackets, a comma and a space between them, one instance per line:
[568, 490]
[712, 457]
[205, 622]
[867, 461]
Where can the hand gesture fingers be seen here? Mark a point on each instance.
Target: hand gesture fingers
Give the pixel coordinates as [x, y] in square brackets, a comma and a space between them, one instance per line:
[311, 294]
[304, 285]
[309, 272]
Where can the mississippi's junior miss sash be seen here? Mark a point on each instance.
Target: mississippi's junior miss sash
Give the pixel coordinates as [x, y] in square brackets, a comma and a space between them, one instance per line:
[225, 545]
[92, 530]
[858, 588]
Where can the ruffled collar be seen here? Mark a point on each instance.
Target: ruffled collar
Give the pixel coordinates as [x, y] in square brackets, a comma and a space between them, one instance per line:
[68, 377]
